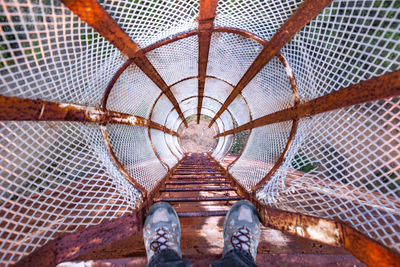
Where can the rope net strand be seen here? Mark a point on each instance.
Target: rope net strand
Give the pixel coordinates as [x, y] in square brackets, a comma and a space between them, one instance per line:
[58, 177]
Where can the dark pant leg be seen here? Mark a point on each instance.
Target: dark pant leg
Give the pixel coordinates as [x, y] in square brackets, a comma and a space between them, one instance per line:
[169, 258]
[235, 258]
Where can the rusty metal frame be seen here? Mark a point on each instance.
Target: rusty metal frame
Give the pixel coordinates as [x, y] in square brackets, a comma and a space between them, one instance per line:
[100, 20]
[304, 14]
[323, 230]
[381, 87]
[206, 21]
[369, 251]
[24, 109]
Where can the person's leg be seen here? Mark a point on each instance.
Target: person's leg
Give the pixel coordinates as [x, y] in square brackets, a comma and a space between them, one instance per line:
[241, 236]
[162, 234]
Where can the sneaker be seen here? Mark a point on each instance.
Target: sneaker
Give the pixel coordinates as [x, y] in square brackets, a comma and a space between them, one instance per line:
[242, 228]
[161, 230]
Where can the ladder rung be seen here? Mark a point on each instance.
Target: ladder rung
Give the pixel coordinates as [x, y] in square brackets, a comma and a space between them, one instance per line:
[202, 213]
[197, 189]
[196, 199]
[197, 177]
[196, 173]
[195, 182]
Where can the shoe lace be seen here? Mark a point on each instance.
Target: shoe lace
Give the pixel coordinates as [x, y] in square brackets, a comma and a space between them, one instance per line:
[241, 239]
[161, 240]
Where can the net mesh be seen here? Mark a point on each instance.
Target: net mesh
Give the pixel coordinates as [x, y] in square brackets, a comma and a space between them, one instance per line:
[58, 177]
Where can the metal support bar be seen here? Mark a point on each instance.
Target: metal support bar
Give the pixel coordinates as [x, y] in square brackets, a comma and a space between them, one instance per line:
[206, 21]
[381, 87]
[304, 14]
[97, 17]
[24, 109]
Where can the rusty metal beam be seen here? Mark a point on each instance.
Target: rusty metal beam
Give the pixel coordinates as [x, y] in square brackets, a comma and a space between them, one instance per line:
[97, 17]
[187, 34]
[304, 14]
[206, 21]
[384, 86]
[323, 230]
[23, 109]
[329, 232]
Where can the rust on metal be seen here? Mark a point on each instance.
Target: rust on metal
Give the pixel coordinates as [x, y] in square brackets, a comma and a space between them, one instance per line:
[323, 230]
[304, 14]
[330, 232]
[381, 87]
[97, 17]
[367, 250]
[24, 109]
[73, 245]
[206, 21]
[243, 33]
[124, 173]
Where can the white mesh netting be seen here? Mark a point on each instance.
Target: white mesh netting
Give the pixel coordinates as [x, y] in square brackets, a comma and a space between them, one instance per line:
[342, 165]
